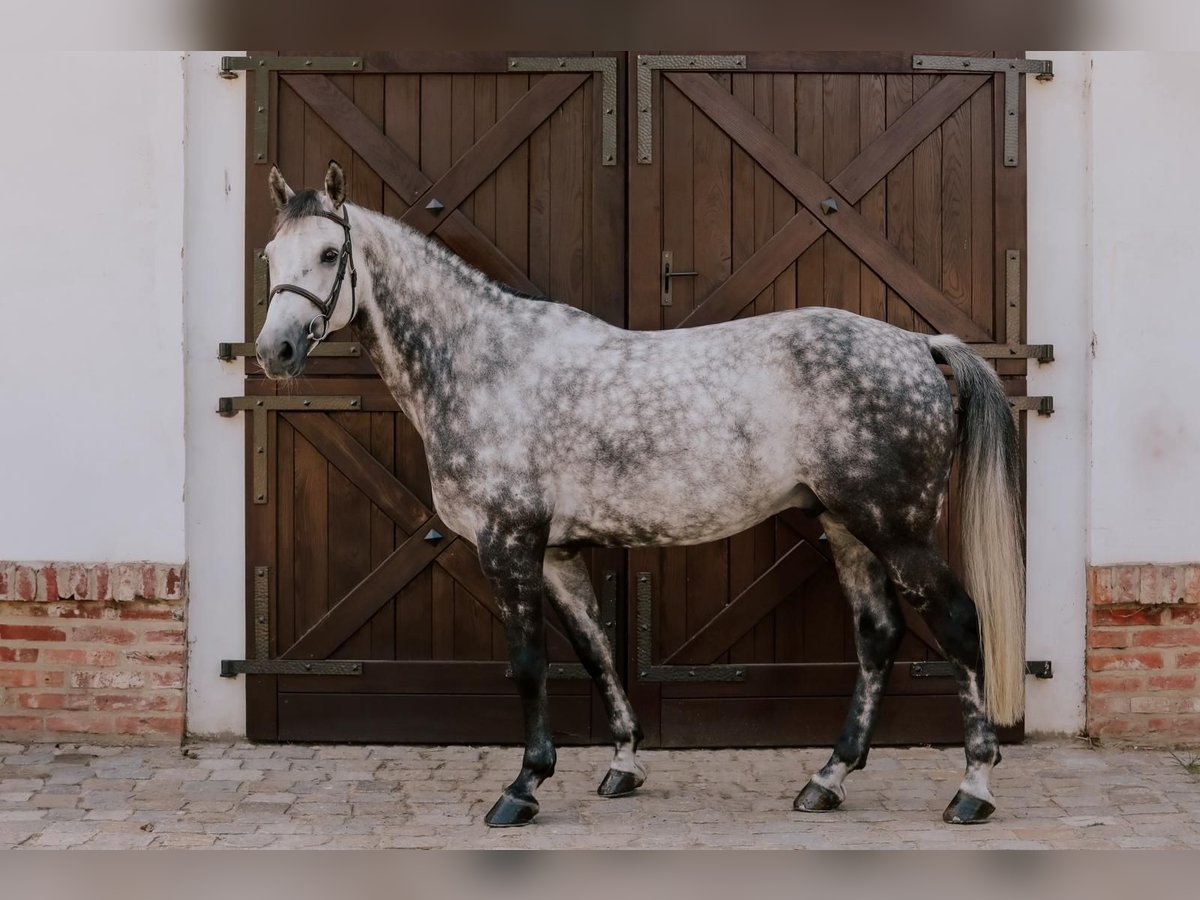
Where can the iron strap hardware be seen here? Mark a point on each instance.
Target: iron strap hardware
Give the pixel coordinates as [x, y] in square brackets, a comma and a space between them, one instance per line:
[258, 407]
[1038, 668]
[607, 67]
[263, 66]
[1012, 69]
[261, 663]
[608, 619]
[647, 670]
[646, 66]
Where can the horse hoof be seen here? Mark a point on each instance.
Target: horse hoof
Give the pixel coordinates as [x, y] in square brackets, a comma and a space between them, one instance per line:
[510, 812]
[816, 798]
[967, 810]
[617, 783]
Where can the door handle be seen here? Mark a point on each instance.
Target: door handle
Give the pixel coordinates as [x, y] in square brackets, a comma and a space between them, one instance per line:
[667, 274]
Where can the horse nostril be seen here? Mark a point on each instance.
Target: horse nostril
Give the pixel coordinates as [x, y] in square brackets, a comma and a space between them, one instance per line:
[285, 351]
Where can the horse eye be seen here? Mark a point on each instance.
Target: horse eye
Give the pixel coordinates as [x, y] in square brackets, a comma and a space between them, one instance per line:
[329, 256]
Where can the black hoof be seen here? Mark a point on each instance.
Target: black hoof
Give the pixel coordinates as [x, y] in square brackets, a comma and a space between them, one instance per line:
[509, 812]
[815, 798]
[967, 810]
[618, 784]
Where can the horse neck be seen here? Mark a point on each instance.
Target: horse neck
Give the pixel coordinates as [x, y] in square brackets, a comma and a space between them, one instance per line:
[422, 309]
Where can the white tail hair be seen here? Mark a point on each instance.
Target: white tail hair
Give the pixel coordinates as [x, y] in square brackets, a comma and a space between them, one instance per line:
[992, 536]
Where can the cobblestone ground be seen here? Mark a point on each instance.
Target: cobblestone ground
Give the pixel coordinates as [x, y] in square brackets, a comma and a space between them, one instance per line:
[245, 795]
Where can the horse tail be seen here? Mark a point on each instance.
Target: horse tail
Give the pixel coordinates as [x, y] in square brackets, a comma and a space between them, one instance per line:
[992, 534]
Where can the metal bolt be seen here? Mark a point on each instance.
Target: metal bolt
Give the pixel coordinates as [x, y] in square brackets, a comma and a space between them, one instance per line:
[258, 156]
[260, 109]
[966, 64]
[308, 667]
[308, 403]
[260, 571]
[355, 64]
[261, 63]
[258, 450]
[562, 63]
[512, 63]
[258, 403]
[354, 403]
[261, 497]
[308, 62]
[262, 620]
[644, 673]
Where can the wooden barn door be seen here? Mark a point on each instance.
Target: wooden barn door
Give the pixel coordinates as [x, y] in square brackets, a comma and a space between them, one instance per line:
[769, 181]
[369, 619]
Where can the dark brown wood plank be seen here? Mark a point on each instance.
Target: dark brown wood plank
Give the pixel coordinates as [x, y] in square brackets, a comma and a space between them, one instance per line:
[568, 214]
[349, 535]
[927, 213]
[311, 590]
[900, 197]
[859, 236]
[956, 209]
[748, 608]
[401, 174]
[842, 266]
[872, 122]
[324, 635]
[384, 536]
[905, 131]
[358, 465]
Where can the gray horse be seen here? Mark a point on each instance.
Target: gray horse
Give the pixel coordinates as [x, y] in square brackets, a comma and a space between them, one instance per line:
[548, 430]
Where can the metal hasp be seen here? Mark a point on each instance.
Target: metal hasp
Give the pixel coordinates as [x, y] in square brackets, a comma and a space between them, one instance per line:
[682, 62]
[1012, 69]
[261, 663]
[608, 620]
[607, 67]
[668, 272]
[1038, 668]
[647, 670]
[263, 66]
[258, 407]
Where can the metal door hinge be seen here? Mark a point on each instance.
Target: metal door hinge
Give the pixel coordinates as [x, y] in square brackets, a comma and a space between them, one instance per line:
[1012, 69]
[259, 406]
[647, 670]
[681, 62]
[263, 66]
[261, 663]
[606, 66]
[1038, 668]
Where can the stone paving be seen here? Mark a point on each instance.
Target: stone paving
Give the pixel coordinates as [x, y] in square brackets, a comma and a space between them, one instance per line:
[245, 795]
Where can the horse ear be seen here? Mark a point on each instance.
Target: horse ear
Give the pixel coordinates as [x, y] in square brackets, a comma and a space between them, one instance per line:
[335, 184]
[280, 192]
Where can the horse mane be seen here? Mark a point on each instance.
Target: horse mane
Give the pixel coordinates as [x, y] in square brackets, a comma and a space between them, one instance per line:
[299, 205]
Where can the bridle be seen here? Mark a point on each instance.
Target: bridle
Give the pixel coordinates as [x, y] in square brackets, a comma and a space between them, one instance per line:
[329, 304]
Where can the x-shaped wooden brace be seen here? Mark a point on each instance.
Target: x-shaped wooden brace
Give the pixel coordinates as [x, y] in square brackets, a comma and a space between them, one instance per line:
[433, 207]
[814, 193]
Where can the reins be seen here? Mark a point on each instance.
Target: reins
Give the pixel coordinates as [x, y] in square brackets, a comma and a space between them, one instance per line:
[328, 306]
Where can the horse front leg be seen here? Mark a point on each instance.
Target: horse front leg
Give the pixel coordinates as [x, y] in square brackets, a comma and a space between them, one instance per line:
[878, 630]
[574, 600]
[513, 564]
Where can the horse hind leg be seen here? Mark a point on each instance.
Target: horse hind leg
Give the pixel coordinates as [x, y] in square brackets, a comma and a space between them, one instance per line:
[879, 628]
[925, 579]
[574, 600]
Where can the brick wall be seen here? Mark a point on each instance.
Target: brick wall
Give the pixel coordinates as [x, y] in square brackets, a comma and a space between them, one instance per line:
[1144, 653]
[92, 649]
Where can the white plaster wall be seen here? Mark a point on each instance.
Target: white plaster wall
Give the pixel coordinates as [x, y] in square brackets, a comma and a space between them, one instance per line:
[1059, 143]
[216, 545]
[91, 301]
[1145, 442]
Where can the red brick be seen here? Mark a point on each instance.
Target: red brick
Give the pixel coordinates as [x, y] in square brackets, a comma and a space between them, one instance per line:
[31, 633]
[72, 582]
[1114, 683]
[1185, 615]
[1177, 682]
[26, 586]
[18, 654]
[47, 583]
[166, 679]
[150, 725]
[150, 611]
[103, 634]
[18, 678]
[110, 679]
[6, 571]
[1126, 585]
[1167, 637]
[168, 636]
[170, 583]
[1129, 661]
[1108, 638]
[87, 722]
[157, 657]
[102, 582]
[41, 701]
[20, 724]
[1188, 660]
[1191, 584]
[73, 656]
[139, 702]
[1099, 585]
[1137, 615]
